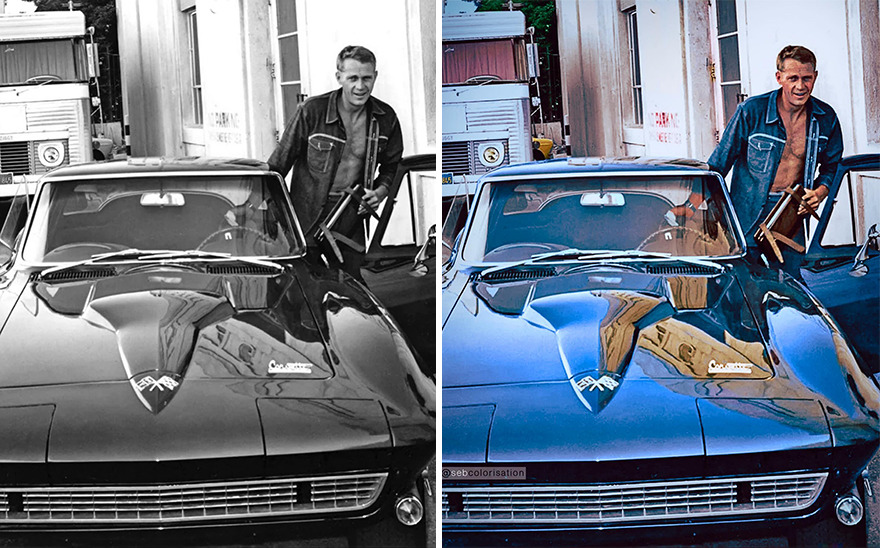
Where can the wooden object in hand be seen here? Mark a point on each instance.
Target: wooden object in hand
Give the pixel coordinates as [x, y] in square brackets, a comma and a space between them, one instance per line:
[783, 223]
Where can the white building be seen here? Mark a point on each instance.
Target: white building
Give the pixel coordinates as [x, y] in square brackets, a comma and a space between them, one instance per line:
[221, 77]
[662, 77]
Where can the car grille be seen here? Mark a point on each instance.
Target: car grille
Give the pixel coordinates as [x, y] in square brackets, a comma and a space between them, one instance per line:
[461, 158]
[190, 502]
[630, 502]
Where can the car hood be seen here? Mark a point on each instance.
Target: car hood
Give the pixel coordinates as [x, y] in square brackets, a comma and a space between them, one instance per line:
[172, 364]
[613, 364]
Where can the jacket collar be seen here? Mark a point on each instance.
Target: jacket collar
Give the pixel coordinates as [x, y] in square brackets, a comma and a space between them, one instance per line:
[373, 107]
[813, 107]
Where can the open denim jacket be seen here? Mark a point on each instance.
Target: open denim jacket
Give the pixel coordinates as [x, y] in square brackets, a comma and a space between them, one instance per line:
[752, 144]
[312, 145]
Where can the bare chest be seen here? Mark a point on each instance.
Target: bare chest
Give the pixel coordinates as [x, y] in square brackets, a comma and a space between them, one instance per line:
[795, 137]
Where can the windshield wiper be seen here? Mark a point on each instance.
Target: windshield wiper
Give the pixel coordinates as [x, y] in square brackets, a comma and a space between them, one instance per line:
[94, 259]
[549, 256]
[600, 255]
[196, 253]
[158, 254]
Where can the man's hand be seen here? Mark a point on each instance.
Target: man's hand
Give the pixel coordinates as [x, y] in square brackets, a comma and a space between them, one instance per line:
[374, 198]
[814, 198]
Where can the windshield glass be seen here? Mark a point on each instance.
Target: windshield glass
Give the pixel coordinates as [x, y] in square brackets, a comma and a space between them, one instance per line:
[42, 61]
[683, 216]
[245, 216]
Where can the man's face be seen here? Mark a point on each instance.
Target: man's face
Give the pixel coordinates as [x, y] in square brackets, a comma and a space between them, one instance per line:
[357, 80]
[797, 80]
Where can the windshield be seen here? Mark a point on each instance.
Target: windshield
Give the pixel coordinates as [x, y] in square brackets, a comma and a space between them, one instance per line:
[683, 216]
[43, 61]
[245, 216]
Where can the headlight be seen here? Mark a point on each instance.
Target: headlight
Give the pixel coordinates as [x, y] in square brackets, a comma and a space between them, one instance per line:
[491, 154]
[50, 154]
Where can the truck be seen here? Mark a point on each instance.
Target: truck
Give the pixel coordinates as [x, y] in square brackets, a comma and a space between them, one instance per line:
[487, 64]
[45, 99]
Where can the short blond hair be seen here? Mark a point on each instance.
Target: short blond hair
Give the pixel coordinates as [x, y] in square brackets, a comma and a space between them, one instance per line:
[798, 53]
[358, 53]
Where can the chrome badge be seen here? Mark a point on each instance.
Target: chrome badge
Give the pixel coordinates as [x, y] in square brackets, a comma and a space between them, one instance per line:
[296, 367]
[741, 368]
[594, 393]
[165, 382]
[155, 389]
[602, 383]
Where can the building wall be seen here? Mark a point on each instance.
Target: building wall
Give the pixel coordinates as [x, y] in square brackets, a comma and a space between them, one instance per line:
[242, 113]
[675, 46]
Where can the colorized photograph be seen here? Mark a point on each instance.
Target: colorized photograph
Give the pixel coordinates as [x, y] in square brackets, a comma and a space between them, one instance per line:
[218, 272]
[659, 274]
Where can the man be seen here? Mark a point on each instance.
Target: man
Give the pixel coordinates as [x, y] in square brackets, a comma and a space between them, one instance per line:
[777, 140]
[334, 142]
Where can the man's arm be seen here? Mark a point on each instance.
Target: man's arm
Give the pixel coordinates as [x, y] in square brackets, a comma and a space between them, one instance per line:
[292, 144]
[731, 145]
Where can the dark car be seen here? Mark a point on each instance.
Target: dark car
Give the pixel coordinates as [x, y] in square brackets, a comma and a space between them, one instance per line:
[842, 264]
[617, 367]
[173, 360]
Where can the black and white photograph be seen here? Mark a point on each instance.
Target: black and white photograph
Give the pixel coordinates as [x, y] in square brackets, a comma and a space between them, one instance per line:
[217, 298]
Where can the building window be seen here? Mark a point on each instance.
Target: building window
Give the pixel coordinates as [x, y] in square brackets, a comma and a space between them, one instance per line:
[728, 51]
[288, 51]
[195, 71]
[632, 33]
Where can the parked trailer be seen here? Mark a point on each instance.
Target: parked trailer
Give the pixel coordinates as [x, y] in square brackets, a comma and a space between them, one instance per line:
[44, 93]
[486, 100]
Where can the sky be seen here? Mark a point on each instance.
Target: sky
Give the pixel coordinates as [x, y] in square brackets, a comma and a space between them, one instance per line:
[19, 6]
[458, 6]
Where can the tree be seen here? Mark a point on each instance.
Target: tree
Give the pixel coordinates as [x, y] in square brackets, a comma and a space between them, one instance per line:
[100, 14]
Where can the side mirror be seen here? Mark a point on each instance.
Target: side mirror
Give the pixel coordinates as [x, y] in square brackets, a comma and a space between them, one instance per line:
[872, 241]
[420, 262]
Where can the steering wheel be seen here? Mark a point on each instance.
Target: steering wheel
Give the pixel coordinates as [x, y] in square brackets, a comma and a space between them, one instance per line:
[683, 229]
[42, 78]
[87, 250]
[537, 247]
[216, 233]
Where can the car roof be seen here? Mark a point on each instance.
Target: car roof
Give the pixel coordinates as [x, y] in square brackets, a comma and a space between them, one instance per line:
[578, 165]
[157, 165]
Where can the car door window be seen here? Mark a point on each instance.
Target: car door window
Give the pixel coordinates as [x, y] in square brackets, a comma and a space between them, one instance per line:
[413, 212]
[855, 209]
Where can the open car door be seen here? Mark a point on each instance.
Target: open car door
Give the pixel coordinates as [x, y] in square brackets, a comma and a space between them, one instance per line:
[400, 264]
[842, 263]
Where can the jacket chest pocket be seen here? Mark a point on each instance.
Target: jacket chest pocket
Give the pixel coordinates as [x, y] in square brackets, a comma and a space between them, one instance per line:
[319, 154]
[760, 153]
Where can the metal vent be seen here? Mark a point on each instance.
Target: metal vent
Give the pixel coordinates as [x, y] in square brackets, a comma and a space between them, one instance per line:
[513, 274]
[630, 502]
[190, 502]
[241, 269]
[67, 275]
[461, 158]
[455, 158]
[680, 269]
[15, 157]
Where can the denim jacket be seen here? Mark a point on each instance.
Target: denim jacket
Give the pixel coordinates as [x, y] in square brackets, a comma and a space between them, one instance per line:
[313, 143]
[752, 144]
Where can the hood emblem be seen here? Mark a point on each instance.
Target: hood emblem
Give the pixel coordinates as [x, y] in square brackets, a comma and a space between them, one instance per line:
[602, 383]
[155, 389]
[595, 393]
[149, 382]
[278, 367]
